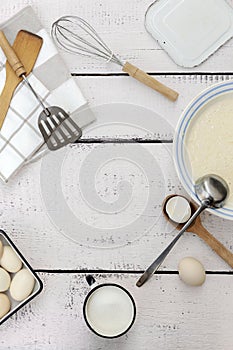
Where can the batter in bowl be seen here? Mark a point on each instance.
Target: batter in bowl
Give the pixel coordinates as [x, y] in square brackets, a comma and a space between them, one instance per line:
[209, 141]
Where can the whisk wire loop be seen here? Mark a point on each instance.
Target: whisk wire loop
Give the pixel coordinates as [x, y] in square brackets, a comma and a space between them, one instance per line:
[70, 33]
[72, 44]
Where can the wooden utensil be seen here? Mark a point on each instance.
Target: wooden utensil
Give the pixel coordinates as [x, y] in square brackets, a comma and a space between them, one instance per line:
[27, 47]
[197, 228]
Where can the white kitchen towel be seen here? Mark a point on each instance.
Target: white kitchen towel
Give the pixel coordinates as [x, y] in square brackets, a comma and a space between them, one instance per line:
[20, 137]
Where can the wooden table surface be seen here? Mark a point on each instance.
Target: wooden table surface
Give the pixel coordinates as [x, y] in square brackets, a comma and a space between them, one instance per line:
[115, 190]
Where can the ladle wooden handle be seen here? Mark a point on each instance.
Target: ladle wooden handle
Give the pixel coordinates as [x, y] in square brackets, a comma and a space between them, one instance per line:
[217, 246]
[146, 79]
[11, 56]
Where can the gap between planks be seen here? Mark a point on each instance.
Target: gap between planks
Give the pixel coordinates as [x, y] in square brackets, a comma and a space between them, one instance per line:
[120, 140]
[129, 272]
[153, 73]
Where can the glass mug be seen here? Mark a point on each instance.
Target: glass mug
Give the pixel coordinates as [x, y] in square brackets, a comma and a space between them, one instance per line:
[109, 309]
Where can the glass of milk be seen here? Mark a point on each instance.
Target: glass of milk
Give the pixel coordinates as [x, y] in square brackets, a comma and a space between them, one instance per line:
[109, 309]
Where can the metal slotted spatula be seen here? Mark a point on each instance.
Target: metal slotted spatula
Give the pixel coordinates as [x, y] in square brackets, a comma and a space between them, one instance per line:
[56, 126]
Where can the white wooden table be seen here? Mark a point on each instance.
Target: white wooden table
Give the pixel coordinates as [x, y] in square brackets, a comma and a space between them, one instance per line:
[170, 314]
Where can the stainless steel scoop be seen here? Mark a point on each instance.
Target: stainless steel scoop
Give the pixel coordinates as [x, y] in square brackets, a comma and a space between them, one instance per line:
[212, 191]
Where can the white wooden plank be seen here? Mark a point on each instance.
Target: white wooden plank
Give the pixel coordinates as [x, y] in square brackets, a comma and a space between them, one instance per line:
[169, 315]
[121, 25]
[154, 118]
[115, 192]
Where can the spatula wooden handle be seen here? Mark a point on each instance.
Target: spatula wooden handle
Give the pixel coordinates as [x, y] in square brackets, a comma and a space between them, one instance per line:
[217, 246]
[11, 56]
[146, 79]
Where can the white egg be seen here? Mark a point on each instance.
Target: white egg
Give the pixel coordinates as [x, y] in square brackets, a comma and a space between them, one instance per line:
[5, 304]
[5, 280]
[178, 209]
[10, 260]
[22, 285]
[1, 249]
[191, 271]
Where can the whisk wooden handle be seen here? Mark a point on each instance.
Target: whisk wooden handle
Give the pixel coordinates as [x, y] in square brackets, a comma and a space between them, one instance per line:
[146, 79]
[11, 56]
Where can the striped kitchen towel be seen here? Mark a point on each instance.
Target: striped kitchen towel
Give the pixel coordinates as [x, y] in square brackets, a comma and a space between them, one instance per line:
[20, 137]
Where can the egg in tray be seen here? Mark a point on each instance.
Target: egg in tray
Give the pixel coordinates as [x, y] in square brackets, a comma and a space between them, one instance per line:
[18, 282]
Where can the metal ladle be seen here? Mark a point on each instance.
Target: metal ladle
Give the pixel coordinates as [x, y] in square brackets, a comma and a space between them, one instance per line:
[212, 191]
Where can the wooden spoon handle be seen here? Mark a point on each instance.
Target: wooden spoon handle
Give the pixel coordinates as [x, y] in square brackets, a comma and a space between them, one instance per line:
[146, 79]
[11, 56]
[5, 99]
[217, 246]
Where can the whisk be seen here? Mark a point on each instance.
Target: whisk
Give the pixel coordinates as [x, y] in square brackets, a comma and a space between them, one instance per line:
[74, 35]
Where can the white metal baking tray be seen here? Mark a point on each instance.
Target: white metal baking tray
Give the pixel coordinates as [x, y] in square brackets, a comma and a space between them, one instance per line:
[190, 30]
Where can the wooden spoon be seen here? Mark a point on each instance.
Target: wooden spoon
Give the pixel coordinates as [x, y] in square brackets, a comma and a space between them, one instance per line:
[27, 47]
[197, 228]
